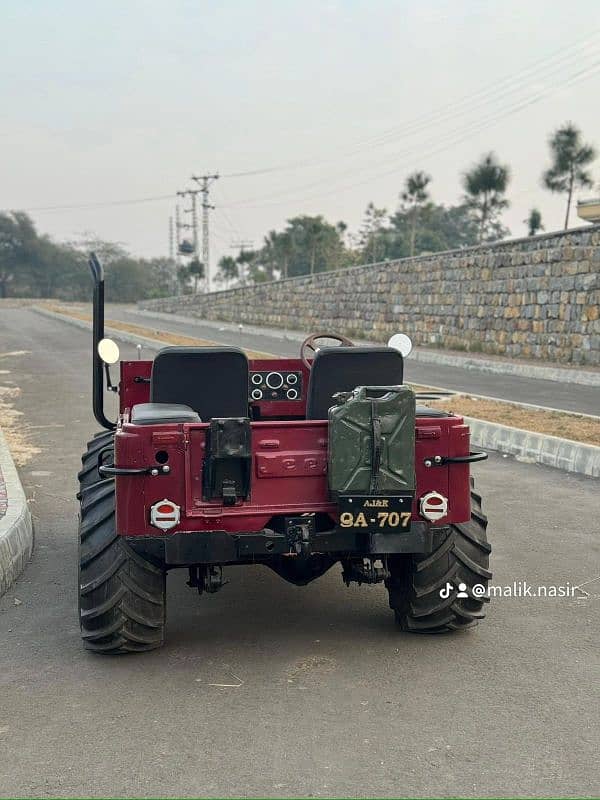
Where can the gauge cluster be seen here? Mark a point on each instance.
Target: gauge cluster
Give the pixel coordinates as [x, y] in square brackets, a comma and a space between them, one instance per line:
[275, 385]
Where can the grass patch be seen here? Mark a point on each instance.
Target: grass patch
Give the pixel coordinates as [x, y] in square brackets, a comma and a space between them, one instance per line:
[552, 423]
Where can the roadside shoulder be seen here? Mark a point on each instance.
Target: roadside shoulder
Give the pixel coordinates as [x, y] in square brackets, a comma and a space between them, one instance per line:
[16, 527]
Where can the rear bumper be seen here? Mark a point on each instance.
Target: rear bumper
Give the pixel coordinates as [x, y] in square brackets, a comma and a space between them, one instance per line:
[219, 547]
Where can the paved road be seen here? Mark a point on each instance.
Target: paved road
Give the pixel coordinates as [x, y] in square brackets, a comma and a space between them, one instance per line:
[571, 397]
[333, 700]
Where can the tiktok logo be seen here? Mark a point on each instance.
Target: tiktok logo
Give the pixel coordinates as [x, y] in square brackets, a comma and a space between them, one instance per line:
[447, 590]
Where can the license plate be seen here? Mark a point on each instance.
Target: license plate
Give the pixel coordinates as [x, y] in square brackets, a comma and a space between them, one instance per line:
[375, 514]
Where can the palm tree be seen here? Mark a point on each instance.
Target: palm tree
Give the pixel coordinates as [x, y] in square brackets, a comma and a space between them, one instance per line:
[534, 222]
[569, 159]
[196, 269]
[485, 185]
[415, 194]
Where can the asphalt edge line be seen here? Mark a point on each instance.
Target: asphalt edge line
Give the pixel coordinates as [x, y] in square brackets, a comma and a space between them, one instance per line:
[16, 526]
[551, 451]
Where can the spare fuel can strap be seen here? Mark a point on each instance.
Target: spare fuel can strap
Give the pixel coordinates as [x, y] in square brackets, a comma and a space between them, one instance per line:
[377, 446]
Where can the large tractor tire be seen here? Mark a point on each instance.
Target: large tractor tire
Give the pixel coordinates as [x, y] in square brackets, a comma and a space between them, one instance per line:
[88, 474]
[461, 555]
[122, 596]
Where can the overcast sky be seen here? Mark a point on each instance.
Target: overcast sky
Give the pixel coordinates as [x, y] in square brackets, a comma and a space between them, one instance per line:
[122, 100]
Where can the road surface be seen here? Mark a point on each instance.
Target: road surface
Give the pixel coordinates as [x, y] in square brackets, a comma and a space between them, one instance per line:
[520, 389]
[320, 695]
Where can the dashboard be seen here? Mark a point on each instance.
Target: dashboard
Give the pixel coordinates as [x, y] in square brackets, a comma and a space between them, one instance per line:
[277, 387]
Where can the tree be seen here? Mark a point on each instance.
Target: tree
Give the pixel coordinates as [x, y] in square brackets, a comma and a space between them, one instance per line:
[315, 245]
[276, 252]
[228, 270]
[570, 157]
[34, 266]
[415, 195]
[162, 274]
[18, 245]
[440, 228]
[107, 252]
[196, 270]
[485, 185]
[534, 222]
[370, 239]
[183, 278]
[127, 278]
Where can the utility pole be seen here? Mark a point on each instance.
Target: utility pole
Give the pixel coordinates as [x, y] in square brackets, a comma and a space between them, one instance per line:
[205, 181]
[177, 236]
[171, 240]
[193, 194]
[241, 245]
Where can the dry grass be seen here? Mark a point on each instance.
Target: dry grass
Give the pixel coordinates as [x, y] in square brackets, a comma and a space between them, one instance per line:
[152, 333]
[14, 427]
[552, 423]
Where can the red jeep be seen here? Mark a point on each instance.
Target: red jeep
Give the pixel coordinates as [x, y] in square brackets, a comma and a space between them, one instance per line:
[294, 463]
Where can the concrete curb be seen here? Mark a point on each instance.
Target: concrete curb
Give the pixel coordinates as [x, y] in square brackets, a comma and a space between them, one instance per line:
[479, 363]
[16, 527]
[539, 448]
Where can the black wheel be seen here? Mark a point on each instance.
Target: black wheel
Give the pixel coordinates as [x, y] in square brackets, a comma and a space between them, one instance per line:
[88, 474]
[122, 596]
[461, 555]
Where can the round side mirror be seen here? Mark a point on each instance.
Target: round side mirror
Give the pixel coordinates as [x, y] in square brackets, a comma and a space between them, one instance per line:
[401, 342]
[108, 351]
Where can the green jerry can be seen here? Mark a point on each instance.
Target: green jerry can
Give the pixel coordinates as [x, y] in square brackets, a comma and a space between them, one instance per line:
[372, 442]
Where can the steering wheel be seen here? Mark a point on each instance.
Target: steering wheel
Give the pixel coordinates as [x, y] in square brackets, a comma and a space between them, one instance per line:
[310, 343]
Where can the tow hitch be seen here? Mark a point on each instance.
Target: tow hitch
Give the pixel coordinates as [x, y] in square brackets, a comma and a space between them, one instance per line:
[207, 579]
[365, 571]
[299, 532]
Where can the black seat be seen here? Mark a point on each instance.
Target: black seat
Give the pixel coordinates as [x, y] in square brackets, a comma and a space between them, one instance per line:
[212, 381]
[161, 413]
[342, 369]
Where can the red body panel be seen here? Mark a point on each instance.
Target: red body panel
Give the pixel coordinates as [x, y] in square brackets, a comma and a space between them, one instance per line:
[289, 465]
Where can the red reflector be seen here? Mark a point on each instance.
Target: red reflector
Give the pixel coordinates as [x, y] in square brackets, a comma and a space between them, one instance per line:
[165, 509]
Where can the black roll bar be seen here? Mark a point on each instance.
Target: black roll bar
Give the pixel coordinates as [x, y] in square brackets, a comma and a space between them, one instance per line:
[97, 271]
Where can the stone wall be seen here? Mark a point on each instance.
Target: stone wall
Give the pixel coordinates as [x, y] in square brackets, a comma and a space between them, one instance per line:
[534, 298]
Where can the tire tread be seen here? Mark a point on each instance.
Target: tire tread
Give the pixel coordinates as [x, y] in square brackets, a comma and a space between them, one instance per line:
[461, 555]
[122, 596]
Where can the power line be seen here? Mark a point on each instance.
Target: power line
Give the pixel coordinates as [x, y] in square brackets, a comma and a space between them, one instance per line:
[502, 87]
[461, 134]
[493, 93]
[101, 204]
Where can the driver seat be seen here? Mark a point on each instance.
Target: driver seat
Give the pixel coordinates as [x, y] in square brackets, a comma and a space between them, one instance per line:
[342, 369]
[212, 381]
